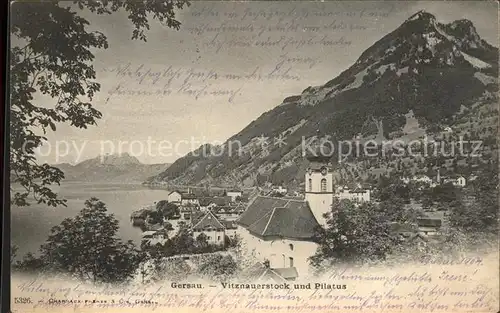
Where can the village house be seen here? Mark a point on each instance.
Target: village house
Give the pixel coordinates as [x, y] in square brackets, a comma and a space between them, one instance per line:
[229, 213]
[174, 197]
[279, 189]
[189, 199]
[234, 194]
[429, 226]
[187, 210]
[357, 194]
[418, 178]
[206, 203]
[458, 181]
[207, 223]
[153, 237]
[231, 228]
[422, 179]
[183, 198]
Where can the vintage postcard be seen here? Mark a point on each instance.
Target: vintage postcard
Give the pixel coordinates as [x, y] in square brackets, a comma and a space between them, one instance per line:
[257, 156]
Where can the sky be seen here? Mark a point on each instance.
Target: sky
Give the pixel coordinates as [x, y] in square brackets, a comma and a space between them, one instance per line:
[229, 63]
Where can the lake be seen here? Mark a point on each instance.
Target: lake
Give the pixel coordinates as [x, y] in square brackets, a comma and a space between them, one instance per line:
[30, 226]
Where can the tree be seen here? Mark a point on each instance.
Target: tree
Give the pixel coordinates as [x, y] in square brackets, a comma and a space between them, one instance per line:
[217, 267]
[388, 188]
[155, 217]
[202, 243]
[445, 193]
[13, 253]
[394, 209]
[232, 243]
[167, 209]
[174, 269]
[354, 234]
[87, 246]
[30, 264]
[168, 227]
[183, 242]
[52, 55]
[479, 215]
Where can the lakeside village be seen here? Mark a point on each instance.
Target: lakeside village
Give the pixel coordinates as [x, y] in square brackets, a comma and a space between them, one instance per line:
[273, 225]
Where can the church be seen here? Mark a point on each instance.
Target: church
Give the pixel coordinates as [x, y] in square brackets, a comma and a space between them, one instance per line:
[280, 231]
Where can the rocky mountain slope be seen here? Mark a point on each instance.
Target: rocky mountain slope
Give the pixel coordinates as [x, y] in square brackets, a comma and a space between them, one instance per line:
[111, 168]
[423, 73]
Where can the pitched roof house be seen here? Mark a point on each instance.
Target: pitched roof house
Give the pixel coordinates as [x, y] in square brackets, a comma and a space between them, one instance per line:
[207, 221]
[278, 217]
[216, 230]
[281, 232]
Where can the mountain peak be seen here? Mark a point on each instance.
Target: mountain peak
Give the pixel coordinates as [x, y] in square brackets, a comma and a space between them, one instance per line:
[422, 15]
[423, 66]
[465, 34]
[119, 159]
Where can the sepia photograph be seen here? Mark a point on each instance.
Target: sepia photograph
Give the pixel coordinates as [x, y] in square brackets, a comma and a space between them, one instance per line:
[248, 156]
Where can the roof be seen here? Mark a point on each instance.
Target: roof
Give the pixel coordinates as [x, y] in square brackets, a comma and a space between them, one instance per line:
[220, 201]
[429, 222]
[268, 216]
[427, 229]
[188, 196]
[317, 165]
[228, 224]
[402, 228]
[287, 272]
[155, 227]
[225, 209]
[176, 191]
[196, 216]
[205, 201]
[240, 208]
[260, 272]
[148, 233]
[208, 221]
[358, 190]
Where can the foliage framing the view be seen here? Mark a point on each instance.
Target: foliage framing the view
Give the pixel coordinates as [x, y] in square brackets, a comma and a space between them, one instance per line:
[86, 247]
[51, 55]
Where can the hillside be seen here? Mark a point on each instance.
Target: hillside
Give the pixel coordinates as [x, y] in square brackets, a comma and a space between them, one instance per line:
[422, 78]
[111, 168]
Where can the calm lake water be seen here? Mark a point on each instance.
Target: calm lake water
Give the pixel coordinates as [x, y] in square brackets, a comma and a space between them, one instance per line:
[30, 226]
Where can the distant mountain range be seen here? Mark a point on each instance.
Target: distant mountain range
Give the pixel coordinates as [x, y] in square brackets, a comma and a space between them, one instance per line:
[111, 168]
[424, 70]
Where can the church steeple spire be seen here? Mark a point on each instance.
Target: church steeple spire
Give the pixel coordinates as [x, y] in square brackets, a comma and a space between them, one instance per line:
[319, 184]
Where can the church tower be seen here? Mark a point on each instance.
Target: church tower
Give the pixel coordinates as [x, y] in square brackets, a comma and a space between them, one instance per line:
[319, 187]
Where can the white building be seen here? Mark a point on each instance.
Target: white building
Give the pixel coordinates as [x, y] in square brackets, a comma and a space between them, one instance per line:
[174, 197]
[458, 181]
[279, 189]
[189, 199]
[234, 194]
[422, 179]
[183, 198]
[356, 194]
[154, 237]
[208, 224]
